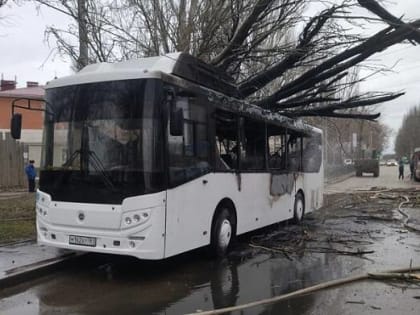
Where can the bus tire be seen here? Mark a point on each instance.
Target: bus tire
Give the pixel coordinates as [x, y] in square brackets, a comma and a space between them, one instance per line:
[222, 233]
[298, 208]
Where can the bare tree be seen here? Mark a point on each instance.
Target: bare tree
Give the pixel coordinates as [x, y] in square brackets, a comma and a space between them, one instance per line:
[407, 137]
[253, 41]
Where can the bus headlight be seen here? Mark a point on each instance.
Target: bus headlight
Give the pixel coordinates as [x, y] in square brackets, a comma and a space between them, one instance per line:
[134, 218]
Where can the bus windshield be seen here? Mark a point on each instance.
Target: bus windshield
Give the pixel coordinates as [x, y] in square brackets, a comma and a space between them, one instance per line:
[102, 141]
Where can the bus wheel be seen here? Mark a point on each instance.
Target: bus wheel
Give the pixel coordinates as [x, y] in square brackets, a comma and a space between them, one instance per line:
[222, 233]
[299, 208]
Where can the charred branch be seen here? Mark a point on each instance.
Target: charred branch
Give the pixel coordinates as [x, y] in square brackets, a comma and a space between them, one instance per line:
[339, 63]
[255, 83]
[307, 102]
[243, 31]
[331, 114]
[314, 73]
[387, 17]
[329, 110]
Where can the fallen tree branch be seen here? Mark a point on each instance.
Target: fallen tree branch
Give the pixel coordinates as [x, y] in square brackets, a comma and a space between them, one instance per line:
[393, 276]
[387, 17]
[308, 290]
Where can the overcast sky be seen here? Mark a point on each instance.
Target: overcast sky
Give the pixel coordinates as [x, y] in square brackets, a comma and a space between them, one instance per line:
[24, 52]
[26, 55]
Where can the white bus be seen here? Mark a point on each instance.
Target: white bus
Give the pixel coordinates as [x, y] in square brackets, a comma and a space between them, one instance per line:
[156, 156]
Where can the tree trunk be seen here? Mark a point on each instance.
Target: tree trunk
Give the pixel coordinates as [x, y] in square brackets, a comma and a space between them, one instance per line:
[83, 35]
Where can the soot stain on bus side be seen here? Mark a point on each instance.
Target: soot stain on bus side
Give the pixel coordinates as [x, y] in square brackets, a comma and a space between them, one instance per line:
[281, 184]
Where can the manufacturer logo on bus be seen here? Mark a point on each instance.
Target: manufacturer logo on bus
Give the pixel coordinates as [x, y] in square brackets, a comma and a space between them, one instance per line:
[81, 216]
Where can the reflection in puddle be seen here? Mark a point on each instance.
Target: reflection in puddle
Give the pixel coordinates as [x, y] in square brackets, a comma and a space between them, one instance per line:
[182, 285]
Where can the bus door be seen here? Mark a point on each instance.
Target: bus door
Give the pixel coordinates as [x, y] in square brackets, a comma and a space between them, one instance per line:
[188, 170]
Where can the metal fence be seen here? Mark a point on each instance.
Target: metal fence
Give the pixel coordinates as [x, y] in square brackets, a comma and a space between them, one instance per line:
[12, 174]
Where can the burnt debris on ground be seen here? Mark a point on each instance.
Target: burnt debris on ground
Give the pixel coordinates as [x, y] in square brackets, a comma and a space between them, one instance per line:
[344, 226]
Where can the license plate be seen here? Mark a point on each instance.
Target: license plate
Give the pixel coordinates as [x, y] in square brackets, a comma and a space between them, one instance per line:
[82, 240]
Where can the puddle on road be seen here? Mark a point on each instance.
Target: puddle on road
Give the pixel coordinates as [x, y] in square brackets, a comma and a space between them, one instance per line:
[185, 284]
[179, 286]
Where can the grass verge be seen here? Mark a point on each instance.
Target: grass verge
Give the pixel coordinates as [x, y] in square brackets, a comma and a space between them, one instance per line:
[17, 218]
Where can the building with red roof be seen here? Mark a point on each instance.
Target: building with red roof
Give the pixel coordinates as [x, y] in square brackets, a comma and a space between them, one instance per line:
[32, 121]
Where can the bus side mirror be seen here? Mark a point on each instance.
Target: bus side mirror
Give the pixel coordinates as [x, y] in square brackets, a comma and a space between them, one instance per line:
[16, 126]
[176, 124]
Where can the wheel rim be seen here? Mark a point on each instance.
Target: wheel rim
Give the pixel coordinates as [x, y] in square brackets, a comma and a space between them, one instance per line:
[299, 209]
[225, 234]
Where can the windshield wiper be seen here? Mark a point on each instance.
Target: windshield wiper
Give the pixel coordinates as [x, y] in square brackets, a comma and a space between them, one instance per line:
[95, 162]
[99, 167]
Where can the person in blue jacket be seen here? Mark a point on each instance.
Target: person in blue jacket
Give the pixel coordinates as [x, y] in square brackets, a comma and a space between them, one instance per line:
[31, 174]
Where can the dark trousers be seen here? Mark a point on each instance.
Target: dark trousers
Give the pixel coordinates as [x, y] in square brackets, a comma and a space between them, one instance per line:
[31, 184]
[401, 175]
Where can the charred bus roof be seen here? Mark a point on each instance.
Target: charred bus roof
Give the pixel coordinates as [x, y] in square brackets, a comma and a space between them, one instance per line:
[218, 86]
[178, 64]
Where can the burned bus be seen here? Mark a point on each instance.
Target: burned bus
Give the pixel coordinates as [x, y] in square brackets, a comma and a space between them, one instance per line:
[157, 156]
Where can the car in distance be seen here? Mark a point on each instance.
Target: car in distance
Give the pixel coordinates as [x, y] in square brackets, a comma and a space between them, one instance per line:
[348, 162]
[391, 163]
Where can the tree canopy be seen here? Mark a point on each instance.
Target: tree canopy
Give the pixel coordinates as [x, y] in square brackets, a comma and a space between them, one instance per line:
[279, 58]
[407, 137]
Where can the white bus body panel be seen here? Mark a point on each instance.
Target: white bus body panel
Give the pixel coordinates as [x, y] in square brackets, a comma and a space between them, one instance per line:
[191, 207]
[56, 221]
[174, 221]
[313, 184]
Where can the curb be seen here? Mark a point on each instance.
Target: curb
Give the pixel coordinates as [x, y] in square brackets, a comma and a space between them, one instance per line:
[21, 274]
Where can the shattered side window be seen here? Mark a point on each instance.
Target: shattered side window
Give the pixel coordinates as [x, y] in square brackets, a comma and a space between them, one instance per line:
[226, 141]
[253, 145]
[294, 153]
[277, 146]
[312, 153]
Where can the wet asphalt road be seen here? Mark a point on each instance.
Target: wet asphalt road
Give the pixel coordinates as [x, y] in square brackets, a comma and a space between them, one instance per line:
[388, 177]
[100, 284]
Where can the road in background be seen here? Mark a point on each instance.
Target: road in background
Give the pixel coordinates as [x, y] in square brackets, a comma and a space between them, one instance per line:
[388, 178]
